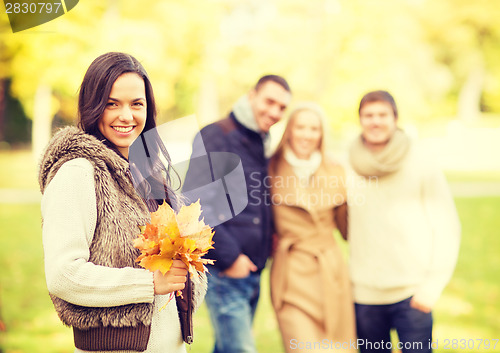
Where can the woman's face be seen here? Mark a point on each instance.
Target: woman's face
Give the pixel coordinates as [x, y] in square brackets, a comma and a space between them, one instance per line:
[305, 134]
[124, 117]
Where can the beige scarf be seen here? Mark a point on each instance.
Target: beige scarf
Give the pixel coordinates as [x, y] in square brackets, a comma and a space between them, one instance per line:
[243, 112]
[303, 168]
[368, 163]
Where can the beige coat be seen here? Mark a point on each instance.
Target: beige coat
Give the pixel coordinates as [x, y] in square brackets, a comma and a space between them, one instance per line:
[310, 287]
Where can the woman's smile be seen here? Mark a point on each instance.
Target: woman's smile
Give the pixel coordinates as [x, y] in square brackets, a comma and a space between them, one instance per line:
[123, 129]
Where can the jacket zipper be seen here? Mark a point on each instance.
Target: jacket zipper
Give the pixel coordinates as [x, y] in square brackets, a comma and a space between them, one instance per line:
[189, 336]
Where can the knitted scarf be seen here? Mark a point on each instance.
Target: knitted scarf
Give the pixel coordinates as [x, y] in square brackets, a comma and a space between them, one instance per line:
[242, 110]
[384, 162]
[303, 168]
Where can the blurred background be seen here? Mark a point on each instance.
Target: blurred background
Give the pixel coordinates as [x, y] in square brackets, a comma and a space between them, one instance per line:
[439, 58]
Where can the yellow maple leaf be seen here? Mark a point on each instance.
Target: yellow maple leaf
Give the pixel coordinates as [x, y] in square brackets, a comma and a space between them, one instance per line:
[157, 262]
[170, 236]
[203, 239]
[164, 215]
[185, 219]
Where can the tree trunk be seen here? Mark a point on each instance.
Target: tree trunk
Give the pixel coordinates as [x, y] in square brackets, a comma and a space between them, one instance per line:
[3, 106]
[208, 108]
[42, 120]
[470, 96]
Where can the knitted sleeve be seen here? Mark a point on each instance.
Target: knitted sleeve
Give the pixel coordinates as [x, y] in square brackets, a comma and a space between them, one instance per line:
[69, 219]
[445, 226]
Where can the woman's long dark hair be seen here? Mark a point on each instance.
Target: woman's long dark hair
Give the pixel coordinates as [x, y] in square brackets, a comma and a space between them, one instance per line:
[152, 179]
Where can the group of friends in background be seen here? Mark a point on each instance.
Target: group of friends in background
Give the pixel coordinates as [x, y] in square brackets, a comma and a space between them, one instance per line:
[389, 201]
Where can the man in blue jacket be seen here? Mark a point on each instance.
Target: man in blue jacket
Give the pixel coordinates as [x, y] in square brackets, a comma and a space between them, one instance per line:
[224, 152]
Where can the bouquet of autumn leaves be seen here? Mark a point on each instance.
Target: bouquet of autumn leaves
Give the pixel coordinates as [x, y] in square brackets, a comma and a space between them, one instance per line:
[172, 236]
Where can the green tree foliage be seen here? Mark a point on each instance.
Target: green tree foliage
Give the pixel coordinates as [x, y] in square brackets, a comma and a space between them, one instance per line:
[18, 127]
[465, 36]
[331, 51]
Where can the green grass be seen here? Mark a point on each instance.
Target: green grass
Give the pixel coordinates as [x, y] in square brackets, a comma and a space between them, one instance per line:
[473, 176]
[18, 170]
[32, 325]
[468, 309]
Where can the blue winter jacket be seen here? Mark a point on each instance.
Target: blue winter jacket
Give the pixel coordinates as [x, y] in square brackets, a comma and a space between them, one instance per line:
[228, 163]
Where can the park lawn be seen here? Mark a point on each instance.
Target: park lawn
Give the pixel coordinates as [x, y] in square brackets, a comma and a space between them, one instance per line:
[468, 309]
[19, 170]
[473, 176]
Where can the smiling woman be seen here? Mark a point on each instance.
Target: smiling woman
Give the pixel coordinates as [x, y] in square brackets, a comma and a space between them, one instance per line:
[91, 212]
[307, 208]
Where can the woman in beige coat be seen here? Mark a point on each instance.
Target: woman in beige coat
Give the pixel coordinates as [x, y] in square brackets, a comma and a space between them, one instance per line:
[310, 287]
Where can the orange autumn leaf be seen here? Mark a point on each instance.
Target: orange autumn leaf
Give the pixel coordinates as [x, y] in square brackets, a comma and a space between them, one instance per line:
[157, 262]
[170, 236]
[186, 219]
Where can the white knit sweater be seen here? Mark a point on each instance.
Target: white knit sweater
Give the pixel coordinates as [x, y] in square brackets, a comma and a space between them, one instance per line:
[69, 213]
[404, 233]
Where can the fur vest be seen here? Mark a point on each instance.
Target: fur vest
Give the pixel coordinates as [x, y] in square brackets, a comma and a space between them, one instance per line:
[119, 213]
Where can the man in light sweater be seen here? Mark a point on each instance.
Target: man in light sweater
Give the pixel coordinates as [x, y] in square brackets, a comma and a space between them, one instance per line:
[404, 232]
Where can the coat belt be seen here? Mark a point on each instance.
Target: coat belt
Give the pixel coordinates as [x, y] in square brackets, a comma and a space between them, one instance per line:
[313, 246]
